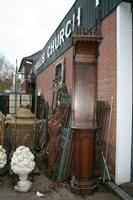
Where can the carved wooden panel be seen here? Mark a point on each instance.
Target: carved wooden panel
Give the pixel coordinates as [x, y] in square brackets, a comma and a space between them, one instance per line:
[84, 47]
[84, 94]
[84, 111]
[84, 160]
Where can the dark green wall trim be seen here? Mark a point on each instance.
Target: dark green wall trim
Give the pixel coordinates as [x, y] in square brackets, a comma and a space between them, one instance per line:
[88, 20]
[107, 6]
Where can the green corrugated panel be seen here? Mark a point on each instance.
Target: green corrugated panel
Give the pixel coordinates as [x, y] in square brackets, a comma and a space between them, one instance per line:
[108, 5]
[90, 13]
[88, 20]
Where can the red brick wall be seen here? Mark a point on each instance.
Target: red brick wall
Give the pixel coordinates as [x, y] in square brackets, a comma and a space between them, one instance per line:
[107, 71]
[45, 78]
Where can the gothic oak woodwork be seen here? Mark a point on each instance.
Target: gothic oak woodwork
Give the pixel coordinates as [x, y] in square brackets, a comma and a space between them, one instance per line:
[84, 114]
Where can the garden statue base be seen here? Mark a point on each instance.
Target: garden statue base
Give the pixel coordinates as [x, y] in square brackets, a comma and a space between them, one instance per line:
[23, 186]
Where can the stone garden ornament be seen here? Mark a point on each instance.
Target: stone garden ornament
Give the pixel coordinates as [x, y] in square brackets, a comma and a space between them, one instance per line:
[3, 158]
[22, 163]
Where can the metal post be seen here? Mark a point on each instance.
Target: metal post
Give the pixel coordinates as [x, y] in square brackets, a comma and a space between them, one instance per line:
[46, 117]
[15, 105]
[35, 118]
[132, 98]
[107, 145]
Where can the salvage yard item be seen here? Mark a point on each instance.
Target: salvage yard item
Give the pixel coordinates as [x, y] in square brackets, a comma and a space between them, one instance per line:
[23, 128]
[64, 143]
[84, 124]
[3, 157]
[22, 163]
[1, 128]
[103, 113]
[67, 172]
[56, 127]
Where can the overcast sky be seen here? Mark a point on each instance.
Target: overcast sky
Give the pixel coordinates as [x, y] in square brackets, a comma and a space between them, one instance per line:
[26, 25]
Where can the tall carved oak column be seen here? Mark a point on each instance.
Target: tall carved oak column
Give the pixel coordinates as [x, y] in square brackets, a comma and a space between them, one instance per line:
[84, 112]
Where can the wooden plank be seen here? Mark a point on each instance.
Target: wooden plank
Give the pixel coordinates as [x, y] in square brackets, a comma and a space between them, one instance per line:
[65, 99]
[68, 161]
[119, 191]
[64, 153]
[64, 143]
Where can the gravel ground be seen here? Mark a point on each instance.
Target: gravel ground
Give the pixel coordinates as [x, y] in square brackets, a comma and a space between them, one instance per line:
[50, 191]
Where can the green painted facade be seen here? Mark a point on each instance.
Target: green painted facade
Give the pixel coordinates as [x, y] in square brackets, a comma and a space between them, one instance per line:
[89, 15]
